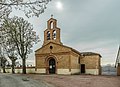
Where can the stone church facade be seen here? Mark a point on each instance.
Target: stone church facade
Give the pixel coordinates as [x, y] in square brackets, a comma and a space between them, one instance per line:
[55, 58]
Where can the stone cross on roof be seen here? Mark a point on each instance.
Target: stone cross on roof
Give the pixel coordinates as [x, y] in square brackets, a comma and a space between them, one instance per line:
[51, 15]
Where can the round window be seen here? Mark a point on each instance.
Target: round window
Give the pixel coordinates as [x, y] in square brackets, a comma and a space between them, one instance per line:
[51, 47]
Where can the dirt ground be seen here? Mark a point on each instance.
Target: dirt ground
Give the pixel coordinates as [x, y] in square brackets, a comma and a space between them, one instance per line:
[14, 80]
[78, 80]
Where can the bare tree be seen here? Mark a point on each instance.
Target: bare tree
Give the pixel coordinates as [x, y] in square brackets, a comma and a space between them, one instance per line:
[13, 59]
[3, 60]
[11, 53]
[3, 63]
[29, 7]
[22, 34]
[9, 48]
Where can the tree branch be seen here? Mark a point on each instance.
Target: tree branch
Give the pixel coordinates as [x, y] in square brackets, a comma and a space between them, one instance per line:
[26, 3]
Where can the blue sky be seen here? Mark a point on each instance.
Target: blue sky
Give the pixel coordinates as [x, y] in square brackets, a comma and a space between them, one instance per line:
[86, 25]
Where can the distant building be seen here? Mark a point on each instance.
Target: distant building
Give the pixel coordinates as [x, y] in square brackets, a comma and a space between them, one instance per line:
[109, 70]
[55, 58]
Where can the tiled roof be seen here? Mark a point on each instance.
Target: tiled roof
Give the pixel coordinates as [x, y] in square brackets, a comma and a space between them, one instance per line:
[89, 54]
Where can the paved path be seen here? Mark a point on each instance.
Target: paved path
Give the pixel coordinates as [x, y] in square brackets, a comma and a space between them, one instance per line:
[10, 80]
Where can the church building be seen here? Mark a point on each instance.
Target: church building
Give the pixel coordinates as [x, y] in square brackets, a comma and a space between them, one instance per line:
[55, 58]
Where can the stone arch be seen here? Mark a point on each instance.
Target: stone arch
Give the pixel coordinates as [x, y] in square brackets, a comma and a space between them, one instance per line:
[54, 34]
[48, 35]
[52, 66]
[51, 24]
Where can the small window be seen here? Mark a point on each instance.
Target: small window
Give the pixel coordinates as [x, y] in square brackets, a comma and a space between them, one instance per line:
[48, 35]
[54, 35]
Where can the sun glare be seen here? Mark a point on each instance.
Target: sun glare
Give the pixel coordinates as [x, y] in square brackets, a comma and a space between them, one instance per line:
[59, 5]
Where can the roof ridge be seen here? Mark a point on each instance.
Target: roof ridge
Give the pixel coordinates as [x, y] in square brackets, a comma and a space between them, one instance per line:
[90, 53]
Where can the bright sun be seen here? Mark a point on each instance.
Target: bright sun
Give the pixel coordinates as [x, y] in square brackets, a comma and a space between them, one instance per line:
[59, 5]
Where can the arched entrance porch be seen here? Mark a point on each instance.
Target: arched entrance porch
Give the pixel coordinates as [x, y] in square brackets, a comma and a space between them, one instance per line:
[52, 66]
[51, 63]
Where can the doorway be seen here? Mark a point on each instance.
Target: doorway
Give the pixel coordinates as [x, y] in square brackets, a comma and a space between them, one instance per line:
[82, 68]
[52, 66]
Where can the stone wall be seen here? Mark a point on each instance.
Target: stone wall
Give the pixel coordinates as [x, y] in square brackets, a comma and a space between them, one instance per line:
[74, 60]
[92, 64]
[118, 70]
[19, 70]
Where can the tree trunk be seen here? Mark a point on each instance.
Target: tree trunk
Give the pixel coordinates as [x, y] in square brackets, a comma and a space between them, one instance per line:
[3, 69]
[24, 65]
[13, 66]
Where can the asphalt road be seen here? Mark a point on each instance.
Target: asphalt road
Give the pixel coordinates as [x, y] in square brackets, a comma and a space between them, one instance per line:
[10, 80]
